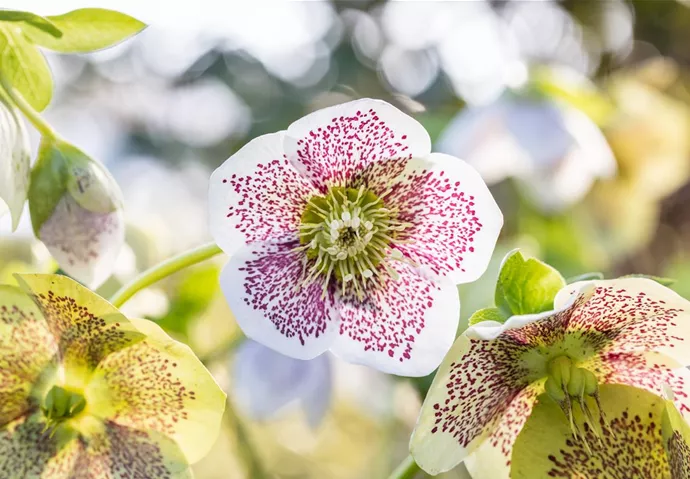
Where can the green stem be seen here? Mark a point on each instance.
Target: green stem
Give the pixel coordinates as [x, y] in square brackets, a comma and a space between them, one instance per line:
[406, 470]
[245, 446]
[32, 115]
[160, 271]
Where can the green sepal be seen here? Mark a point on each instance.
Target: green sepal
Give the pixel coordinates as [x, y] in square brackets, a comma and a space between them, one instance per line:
[593, 276]
[661, 280]
[42, 23]
[48, 184]
[526, 286]
[86, 30]
[488, 314]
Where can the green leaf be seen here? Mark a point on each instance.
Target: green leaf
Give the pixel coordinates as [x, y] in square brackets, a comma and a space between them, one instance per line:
[488, 314]
[87, 30]
[593, 276]
[42, 23]
[24, 67]
[658, 279]
[526, 286]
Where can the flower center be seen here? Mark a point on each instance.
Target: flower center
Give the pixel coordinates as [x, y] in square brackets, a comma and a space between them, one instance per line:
[349, 233]
[61, 404]
[570, 386]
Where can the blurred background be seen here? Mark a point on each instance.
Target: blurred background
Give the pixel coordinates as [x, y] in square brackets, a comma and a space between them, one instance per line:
[576, 113]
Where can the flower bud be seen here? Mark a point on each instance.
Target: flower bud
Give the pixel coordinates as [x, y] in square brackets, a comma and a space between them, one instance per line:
[76, 210]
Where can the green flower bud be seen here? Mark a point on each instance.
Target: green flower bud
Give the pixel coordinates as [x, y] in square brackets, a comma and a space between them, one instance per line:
[76, 210]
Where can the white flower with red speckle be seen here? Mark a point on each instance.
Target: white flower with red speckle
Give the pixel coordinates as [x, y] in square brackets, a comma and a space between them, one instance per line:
[347, 234]
[624, 332]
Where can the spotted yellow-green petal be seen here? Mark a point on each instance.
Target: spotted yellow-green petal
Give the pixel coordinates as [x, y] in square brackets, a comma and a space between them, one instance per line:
[632, 315]
[28, 450]
[118, 452]
[86, 326]
[631, 446]
[27, 350]
[159, 385]
[676, 434]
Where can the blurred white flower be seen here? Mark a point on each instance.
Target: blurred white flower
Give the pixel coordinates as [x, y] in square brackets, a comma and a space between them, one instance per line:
[553, 149]
[266, 382]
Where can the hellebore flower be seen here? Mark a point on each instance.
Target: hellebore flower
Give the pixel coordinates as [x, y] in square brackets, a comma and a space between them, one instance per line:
[643, 436]
[629, 331]
[76, 211]
[347, 234]
[553, 150]
[87, 393]
[265, 382]
[15, 163]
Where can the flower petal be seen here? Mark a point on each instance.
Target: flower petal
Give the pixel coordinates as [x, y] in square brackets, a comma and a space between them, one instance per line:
[87, 328]
[332, 146]
[15, 162]
[547, 448]
[317, 390]
[634, 314]
[27, 449]
[159, 385]
[263, 284]
[256, 195]
[84, 243]
[26, 349]
[676, 434]
[403, 326]
[454, 221]
[483, 391]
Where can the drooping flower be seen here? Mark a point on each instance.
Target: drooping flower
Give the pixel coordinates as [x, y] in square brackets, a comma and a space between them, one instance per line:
[15, 163]
[265, 382]
[552, 149]
[87, 393]
[629, 331]
[644, 436]
[347, 234]
[76, 211]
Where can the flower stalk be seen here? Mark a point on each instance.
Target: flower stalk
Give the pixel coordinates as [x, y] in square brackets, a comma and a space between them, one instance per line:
[407, 469]
[32, 115]
[163, 270]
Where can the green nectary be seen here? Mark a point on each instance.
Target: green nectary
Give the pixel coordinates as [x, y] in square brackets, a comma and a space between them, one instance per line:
[349, 233]
[61, 404]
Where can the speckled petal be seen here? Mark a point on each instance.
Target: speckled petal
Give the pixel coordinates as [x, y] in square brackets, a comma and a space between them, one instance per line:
[633, 314]
[334, 145]
[159, 385]
[675, 431]
[257, 195]
[483, 390]
[546, 446]
[119, 452]
[87, 328]
[26, 350]
[27, 450]
[84, 243]
[454, 221]
[263, 284]
[402, 326]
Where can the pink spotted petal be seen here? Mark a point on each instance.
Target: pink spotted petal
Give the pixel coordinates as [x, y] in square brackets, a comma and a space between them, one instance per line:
[454, 221]
[402, 327]
[332, 146]
[634, 314]
[256, 195]
[263, 284]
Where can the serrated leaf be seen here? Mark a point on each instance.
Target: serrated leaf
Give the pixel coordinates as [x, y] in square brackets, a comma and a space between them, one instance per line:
[87, 30]
[24, 67]
[593, 276]
[15, 161]
[487, 314]
[42, 23]
[662, 281]
[526, 286]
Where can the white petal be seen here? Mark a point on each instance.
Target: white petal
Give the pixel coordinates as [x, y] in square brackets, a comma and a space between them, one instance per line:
[403, 327]
[15, 163]
[264, 286]
[256, 195]
[317, 390]
[333, 145]
[85, 244]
